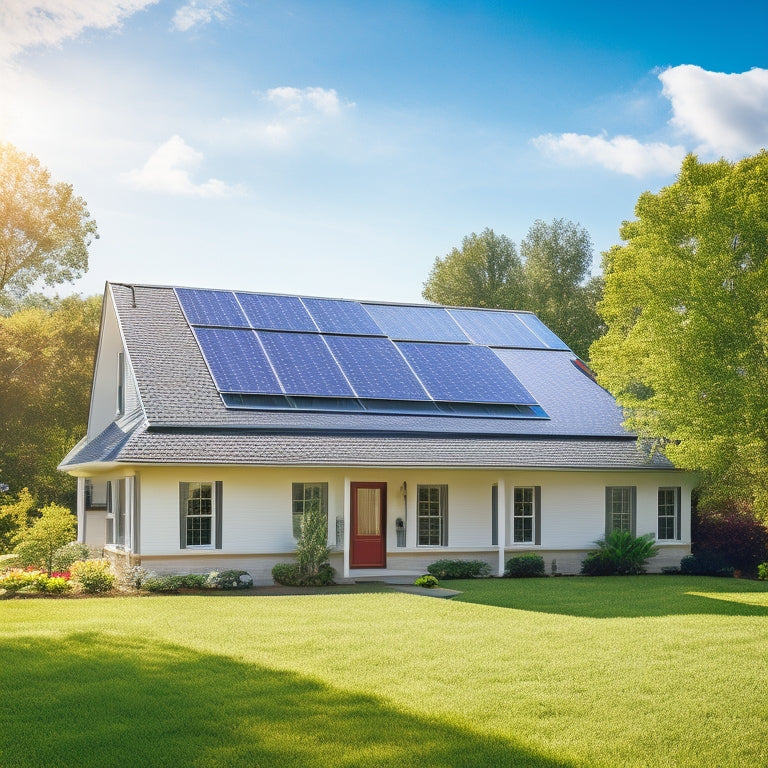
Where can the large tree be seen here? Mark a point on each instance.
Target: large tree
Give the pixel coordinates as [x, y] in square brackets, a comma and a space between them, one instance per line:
[46, 364]
[686, 351]
[551, 279]
[45, 229]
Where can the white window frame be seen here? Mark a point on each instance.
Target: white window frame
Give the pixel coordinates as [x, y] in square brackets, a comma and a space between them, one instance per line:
[428, 499]
[523, 509]
[300, 500]
[188, 498]
[621, 500]
[674, 491]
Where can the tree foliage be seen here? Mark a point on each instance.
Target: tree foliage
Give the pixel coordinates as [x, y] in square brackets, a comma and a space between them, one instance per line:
[549, 277]
[46, 364]
[14, 516]
[38, 544]
[686, 350]
[45, 230]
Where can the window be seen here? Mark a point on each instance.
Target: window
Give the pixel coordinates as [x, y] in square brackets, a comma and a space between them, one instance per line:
[620, 506]
[526, 515]
[432, 513]
[305, 496]
[669, 513]
[200, 514]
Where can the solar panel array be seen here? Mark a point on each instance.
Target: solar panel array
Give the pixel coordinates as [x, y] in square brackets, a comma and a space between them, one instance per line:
[267, 349]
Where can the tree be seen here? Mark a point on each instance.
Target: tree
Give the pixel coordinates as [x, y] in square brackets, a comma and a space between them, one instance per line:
[38, 544]
[46, 363]
[686, 350]
[14, 516]
[551, 280]
[45, 230]
[486, 272]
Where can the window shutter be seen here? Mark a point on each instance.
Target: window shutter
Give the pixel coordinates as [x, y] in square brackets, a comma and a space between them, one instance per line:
[634, 510]
[183, 497]
[444, 513]
[494, 515]
[218, 507]
[135, 520]
[678, 522]
[537, 515]
[607, 511]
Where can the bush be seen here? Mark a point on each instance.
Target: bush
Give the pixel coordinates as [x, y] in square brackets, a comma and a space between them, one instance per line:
[459, 569]
[228, 580]
[52, 530]
[732, 531]
[524, 566]
[70, 553]
[93, 575]
[762, 571]
[426, 581]
[291, 575]
[706, 564]
[174, 582]
[619, 553]
[33, 581]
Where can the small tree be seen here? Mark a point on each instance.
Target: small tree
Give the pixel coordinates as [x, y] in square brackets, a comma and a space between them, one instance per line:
[38, 543]
[13, 519]
[312, 544]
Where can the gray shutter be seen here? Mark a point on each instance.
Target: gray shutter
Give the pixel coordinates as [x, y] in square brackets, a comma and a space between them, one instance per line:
[607, 511]
[537, 515]
[634, 510]
[219, 511]
[444, 513]
[183, 497]
[678, 522]
[494, 515]
[135, 522]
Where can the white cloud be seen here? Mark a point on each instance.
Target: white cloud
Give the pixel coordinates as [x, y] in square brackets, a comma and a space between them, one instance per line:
[303, 100]
[623, 154]
[25, 24]
[727, 113]
[199, 12]
[168, 170]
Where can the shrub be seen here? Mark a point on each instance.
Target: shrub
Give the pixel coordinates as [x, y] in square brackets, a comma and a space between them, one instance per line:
[459, 569]
[291, 575]
[54, 585]
[134, 576]
[173, 582]
[38, 543]
[70, 553]
[93, 575]
[762, 571]
[312, 544]
[228, 580]
[33, 581]
[426, 581]
[731, 530]
[524, 566]
[620, 552]
[706, 564]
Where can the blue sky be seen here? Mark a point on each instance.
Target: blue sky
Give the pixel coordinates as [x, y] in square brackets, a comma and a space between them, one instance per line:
[338, 148]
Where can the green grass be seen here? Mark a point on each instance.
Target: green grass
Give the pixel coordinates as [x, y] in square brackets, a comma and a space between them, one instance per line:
[632, 671]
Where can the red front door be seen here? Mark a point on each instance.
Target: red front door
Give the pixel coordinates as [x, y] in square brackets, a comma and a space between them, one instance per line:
[369, 522]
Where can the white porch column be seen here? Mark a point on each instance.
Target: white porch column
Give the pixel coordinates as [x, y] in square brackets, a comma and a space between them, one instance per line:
[502, 523]
[81, 510]
[347, 518]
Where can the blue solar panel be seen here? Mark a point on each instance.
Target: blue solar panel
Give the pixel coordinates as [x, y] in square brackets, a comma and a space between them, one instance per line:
[335, 316]
[305, 365]
[496, 328]
[375, 368]
[541, 330]
[415, 323]
[276, 313]
[464, 374]
[211, 308]
[237, 361]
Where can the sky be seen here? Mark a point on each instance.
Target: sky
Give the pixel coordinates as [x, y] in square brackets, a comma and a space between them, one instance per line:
[338, 148]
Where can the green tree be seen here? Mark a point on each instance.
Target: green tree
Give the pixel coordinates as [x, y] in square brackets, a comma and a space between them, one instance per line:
[686, 350]
[551, 279]
[14, 516]
[485, 272]
[46, 364]
[45, 230]
[37, 544]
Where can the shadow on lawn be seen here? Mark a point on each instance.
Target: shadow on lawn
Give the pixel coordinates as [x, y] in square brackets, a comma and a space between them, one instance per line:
[93, 700]
[607, 597]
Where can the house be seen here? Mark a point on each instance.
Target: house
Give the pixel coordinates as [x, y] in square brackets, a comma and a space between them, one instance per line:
[424, 432]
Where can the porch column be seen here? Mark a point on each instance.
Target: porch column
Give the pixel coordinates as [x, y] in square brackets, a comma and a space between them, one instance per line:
[347, 520]
[81, 510]
[502, 522]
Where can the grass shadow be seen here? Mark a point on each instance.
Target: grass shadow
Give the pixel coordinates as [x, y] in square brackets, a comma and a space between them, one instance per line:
[605, 597]
[95, 701]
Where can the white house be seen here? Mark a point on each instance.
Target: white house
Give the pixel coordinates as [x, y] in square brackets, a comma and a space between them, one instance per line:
[424, 432]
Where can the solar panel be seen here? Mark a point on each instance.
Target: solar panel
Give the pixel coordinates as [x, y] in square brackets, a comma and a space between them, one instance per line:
[304, 364]
[211, 308]
[335, 316]
[496, 328]
[541, 330]
[375, 368]
[415, 323]
[277, 313]
[464, 373]
[237, 361]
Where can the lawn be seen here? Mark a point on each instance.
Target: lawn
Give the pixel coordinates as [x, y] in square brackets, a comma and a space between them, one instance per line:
[634, 671]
